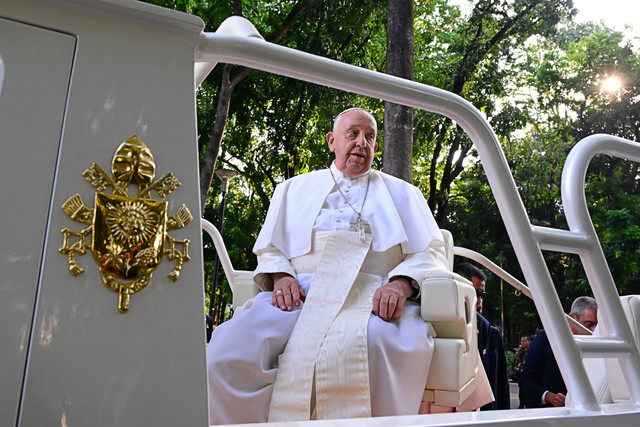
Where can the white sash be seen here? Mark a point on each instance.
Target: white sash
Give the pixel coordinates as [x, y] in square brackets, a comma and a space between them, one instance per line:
[330, 339]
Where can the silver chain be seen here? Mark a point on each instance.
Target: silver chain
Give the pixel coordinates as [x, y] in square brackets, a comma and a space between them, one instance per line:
[345, 198]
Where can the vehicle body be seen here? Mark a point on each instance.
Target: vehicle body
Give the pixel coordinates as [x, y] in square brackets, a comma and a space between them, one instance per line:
[79, 77]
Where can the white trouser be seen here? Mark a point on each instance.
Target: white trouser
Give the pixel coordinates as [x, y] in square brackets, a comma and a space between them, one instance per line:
[242, 359]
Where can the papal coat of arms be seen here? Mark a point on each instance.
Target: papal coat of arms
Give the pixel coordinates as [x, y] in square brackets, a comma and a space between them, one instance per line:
[127, 235]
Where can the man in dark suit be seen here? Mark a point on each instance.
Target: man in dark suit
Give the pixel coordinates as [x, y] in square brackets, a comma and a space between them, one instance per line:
[490, 343]
[541, 383]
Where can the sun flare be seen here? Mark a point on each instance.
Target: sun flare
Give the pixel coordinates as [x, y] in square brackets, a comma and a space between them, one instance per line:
[611, 84]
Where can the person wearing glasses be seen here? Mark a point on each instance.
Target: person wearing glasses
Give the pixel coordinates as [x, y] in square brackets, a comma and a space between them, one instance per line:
[490, 344]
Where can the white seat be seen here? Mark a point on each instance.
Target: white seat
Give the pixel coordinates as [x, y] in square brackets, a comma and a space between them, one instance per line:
[241, 282]
[617, 383]
[606, 375]
[448, 303]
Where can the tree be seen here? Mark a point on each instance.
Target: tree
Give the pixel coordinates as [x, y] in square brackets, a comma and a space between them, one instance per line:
[273, 127]
[398, 119]
[472, 66]
[612, 184]
[228, 83]
[555, 99]
[535, 80]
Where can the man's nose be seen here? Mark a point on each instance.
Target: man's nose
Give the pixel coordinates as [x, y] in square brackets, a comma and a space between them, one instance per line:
[361, 141]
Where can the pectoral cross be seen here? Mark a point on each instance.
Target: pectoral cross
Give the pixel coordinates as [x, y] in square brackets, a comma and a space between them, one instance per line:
[361, 227]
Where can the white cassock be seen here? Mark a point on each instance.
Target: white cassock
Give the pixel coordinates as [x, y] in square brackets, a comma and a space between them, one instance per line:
[265, 365]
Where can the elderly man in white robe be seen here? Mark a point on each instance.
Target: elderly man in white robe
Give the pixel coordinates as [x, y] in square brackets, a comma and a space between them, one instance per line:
[337, 332]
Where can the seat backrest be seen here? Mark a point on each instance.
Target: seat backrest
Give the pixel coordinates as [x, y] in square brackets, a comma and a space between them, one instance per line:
[448, 247]
[606, 375]
[617, 383]
[241, 282]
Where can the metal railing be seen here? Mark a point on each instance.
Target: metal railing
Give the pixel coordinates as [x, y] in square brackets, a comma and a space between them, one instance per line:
[504, 275]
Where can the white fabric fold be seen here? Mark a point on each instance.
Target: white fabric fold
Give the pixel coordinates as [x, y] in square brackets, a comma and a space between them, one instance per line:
[330, 339]
[342, 383]
[405, 219]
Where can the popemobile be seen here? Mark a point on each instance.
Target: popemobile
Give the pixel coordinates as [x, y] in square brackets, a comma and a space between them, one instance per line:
[101, 265]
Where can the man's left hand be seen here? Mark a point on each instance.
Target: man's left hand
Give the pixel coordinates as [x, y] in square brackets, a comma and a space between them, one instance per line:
[389, 300]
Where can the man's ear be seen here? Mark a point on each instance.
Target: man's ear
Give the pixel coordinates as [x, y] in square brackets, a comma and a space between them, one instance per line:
[330, 140]
[573, 316]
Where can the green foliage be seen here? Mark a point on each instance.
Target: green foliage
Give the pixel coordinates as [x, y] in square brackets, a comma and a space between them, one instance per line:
[556, 98]
[510, 355]
[475, 59]
[615, 208]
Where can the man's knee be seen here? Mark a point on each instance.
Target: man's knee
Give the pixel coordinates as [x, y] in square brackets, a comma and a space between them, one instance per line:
[381, 333]
[409, 332]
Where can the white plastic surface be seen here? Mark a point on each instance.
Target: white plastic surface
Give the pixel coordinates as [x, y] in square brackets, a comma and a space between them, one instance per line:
[27, 165]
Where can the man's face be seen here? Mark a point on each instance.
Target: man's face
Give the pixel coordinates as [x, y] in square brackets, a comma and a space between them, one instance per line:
[353, 141]
[588, 319]
[480, 286]
[524, 342]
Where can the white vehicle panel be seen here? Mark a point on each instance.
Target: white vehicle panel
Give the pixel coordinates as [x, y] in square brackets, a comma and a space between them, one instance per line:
[32, 103]
[87, 363]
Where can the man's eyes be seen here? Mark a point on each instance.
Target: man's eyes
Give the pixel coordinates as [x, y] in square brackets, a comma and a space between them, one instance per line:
[370, 138]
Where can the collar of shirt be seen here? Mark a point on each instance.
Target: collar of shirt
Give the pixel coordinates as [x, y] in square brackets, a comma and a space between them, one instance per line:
[339, 175]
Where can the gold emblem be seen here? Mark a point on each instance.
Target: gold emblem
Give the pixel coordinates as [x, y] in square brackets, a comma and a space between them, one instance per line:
[128, 235]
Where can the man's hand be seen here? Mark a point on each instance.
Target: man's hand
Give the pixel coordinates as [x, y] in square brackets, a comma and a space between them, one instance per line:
[286, 292]
[556, 399]
[389, 300]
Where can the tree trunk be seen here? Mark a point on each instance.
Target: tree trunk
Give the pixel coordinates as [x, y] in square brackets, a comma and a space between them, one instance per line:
[221, 304]
[398, 119]
[213, 143]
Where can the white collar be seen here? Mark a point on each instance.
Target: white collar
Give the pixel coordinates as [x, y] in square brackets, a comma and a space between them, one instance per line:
[339, 175]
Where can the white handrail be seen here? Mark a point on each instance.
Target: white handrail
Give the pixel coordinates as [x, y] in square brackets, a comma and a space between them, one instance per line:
[221, 249]
[518, 285]
[574, 200]
[493, 267]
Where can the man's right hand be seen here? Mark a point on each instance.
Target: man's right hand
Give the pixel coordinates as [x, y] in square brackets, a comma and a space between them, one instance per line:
[286, 292]
[556, 399]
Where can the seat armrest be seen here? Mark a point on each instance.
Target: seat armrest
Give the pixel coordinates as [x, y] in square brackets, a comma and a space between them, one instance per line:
[243, 287]
[448, 303]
